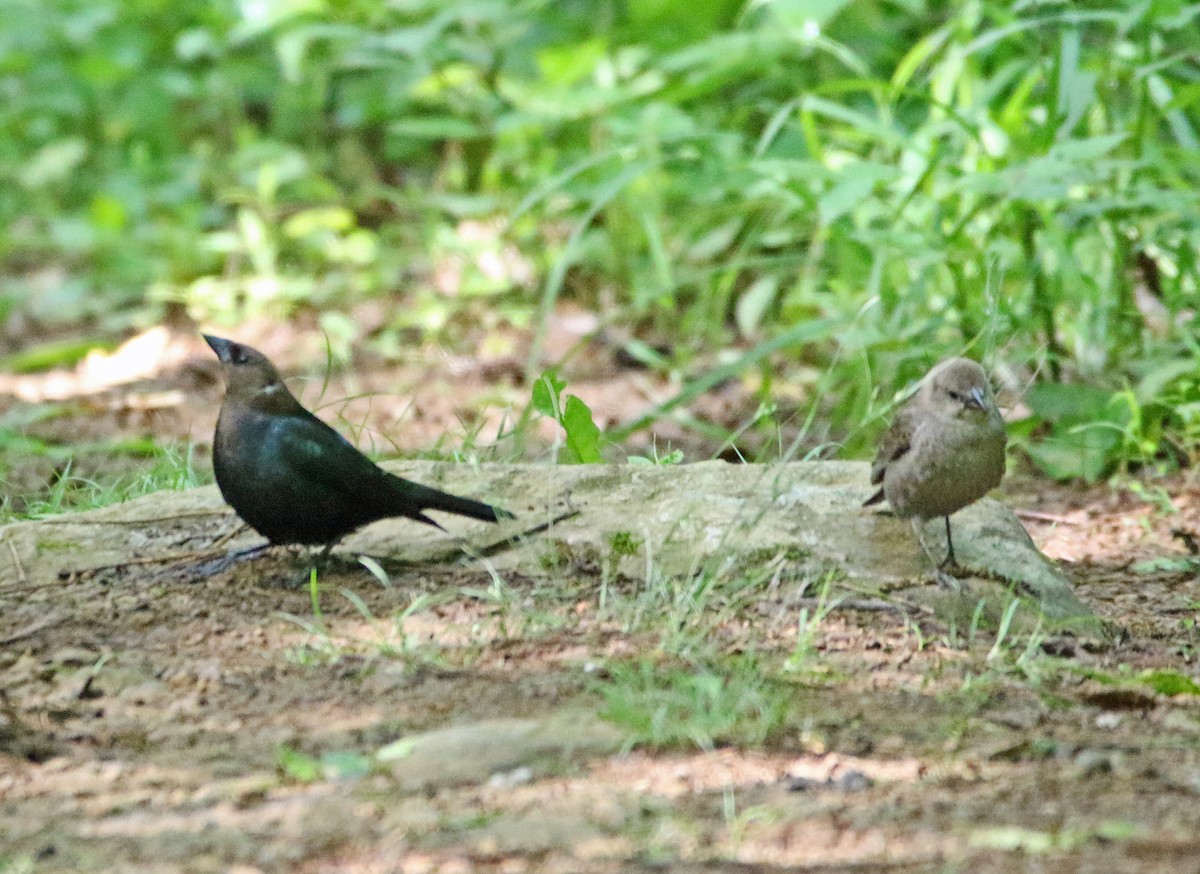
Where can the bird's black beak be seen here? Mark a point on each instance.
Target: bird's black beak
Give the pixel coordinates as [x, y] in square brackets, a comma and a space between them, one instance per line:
[976, 400]
[220, 345]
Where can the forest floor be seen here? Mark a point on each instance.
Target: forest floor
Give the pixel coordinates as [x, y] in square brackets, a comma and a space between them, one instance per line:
[164, 721]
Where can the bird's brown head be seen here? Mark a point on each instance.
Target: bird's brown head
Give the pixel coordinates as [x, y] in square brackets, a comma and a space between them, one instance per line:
[248, 373]
[959, 387]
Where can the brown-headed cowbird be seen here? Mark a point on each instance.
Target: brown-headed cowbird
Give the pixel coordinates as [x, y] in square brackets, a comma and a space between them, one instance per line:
[944, 450]
[291, 477]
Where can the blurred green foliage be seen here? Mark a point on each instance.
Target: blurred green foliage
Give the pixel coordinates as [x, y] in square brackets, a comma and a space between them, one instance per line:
[1017, 180]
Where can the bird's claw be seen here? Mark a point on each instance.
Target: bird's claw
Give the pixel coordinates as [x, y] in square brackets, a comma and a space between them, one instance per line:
[951, 566]
[946, 581]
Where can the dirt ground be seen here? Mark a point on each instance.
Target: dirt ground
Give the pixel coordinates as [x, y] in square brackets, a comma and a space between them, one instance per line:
[203, 718]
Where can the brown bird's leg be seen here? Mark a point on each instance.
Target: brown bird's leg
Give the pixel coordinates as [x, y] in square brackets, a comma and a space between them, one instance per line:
[943, 579]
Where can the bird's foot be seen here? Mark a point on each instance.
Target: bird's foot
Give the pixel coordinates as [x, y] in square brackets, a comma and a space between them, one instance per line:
[318, 565]
[299, 582]
[251, 552]
[951, 566]
[224, 562]
[944, 579]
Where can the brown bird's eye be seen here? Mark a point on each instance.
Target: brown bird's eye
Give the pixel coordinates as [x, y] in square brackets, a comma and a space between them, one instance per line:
[238, 354]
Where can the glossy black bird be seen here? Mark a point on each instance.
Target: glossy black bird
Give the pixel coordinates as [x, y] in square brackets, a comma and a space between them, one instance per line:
[291, 477]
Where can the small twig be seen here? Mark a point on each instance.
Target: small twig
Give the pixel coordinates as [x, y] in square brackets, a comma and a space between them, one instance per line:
[225, 538]
[516, 539]
[60, 520]
[143, 560]
[217, 549]
[900, 604]
[30, 630]
[1045, 517]
[22, 578]
[866, 604]
[494, 548]
[27, 588]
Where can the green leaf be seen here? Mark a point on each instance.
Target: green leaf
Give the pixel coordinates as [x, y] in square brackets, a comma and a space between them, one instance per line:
[754, 303]
[546, 393]
[798, 13]
[715, 241]
[401, 748]
[1073, 403]
[298, 766]
[56, 353]
[566, 65]
[344, 763]
[436, 127]
[1167, 564]
[1170, 683]
[1087, 430]
[856, 184]
[1084, 453]
[583, 434]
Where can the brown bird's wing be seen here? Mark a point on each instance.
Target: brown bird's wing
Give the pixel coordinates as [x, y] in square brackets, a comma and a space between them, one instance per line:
[894, 444]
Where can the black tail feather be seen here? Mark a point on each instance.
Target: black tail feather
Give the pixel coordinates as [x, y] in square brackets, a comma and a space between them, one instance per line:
[421, 517]
[417, 499]
[448, 503]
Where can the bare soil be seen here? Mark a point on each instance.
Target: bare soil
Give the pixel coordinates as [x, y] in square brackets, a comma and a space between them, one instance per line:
[151, 717]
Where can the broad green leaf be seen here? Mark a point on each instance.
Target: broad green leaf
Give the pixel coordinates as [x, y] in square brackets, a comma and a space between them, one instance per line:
[583, 434]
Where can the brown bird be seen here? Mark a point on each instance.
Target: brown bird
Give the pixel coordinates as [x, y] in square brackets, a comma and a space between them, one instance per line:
[291, 477]
[944, 450]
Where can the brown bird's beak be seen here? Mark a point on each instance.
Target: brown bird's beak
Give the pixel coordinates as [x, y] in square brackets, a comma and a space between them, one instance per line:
[219, 345]
[976, 399]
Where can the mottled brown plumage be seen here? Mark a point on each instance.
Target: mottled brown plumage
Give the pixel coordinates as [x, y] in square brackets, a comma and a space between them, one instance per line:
[291, 477]
[943, 451]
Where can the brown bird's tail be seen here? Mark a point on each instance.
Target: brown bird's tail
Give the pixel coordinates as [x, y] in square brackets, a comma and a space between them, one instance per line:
[419, 498]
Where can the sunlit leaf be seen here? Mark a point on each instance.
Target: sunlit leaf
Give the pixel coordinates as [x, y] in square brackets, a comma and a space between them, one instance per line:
[583, 434]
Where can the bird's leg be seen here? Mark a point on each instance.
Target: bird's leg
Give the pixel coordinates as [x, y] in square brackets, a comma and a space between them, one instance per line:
[940, 575]
[950, 563]
[220, 564]
[918, 526]
[249, 552]
[950, 559]
[318, 563]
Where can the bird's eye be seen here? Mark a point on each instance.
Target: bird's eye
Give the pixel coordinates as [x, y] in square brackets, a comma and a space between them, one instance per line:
[238, 355]
[956, 396]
